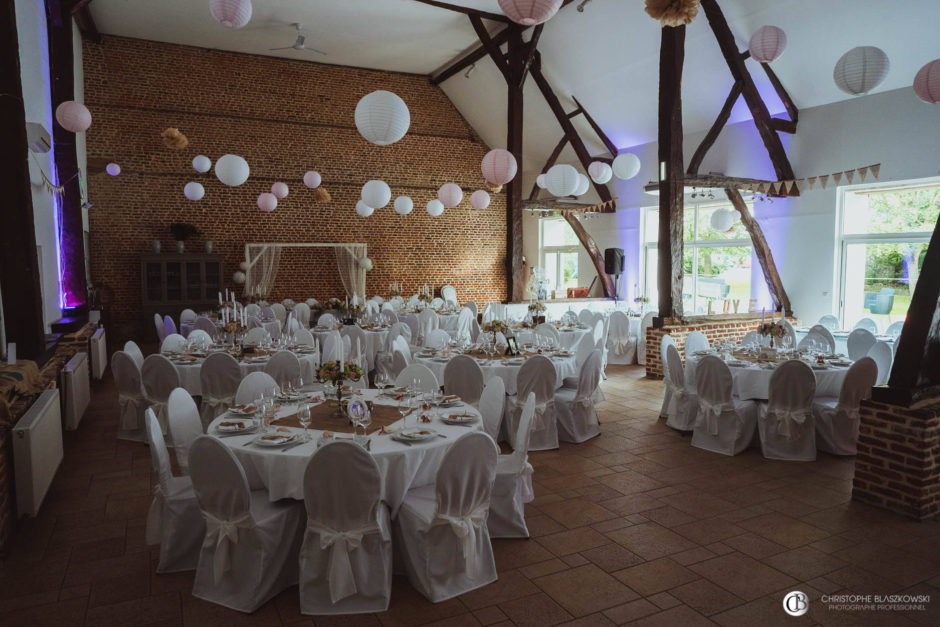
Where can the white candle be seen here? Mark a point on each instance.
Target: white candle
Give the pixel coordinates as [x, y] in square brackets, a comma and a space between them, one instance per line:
[763, 309]
[358, 353]
[220, 298]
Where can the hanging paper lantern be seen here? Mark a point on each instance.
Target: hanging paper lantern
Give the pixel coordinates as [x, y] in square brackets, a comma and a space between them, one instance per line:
[600, 172]
[722, 220]
[244, 266]
[530, 12]
[861, 69]
[194, 190]
[767, 43]
[927, 82]
[113, 169]
[561, 180]
[626, 166]
[232, 170]
[230, 13]
[202, 163]
[479, 199]
[583, 185]
[73, 116]
[366, 264]
[382, 117]
[435, 208]
[499, 166]
[239, 277]
[267, 202]
[540, 181]
[312, 179]
[280, 190]
[363, 209]
[450, 194]
[403, 205]
[376, 194]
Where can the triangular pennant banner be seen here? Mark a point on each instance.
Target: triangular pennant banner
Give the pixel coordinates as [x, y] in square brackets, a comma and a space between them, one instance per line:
[875, 169]
[812, 182]
[862, 173]
[799, 184]
[770, 189]
[787, 185]
[836, 177]
[849, 175]
[824, 180]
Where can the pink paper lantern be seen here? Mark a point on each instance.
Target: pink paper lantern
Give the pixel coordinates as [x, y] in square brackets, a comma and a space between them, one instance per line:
[312, 179]
[113, 169]
[279, 189]
[267, 202]
[499, 166]
[230, 13]
[243, 266]
[927, 82]
[73, 116]
[767, 44]
[479, 199]
[450, 194]
[529, 12]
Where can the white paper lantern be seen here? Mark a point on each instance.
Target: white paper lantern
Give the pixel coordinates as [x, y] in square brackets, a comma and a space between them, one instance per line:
[366, 264]
[861, 69]
[600, 172]
[767, 43]
[722, 220]
[561, 180]
[540, 181]
[583, 185]
[73, 116]
[435, 208]
[280, 190]
[626, 166]
[230, 13]
[202, 163]
[267, 202]
[450, 194]
[363, 209]
[927, 82]
[232, 170]
[113, 169]
[376, 194]
[239, 277]
[382, 117]
[194, 190]
[403, 205]
[479, 199]
[312, 179]
[244, 266]
[498, 166]
[530, 12]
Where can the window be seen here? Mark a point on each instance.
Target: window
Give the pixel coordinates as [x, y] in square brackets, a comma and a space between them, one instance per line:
[717, 265]
[883, 239]
[558, 249]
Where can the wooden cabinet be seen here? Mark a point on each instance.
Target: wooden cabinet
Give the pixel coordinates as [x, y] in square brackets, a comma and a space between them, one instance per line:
[170, 283]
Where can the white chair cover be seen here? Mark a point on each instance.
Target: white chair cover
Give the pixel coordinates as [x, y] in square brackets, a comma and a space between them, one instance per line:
[346, 558]
[185, 426]
[253, 309]
[332, 345]
[412, 321]
[438, 338]
[536, 375]
[464, 377]
[312, 302]
[512, 488]
[837, 420]
[785, 423]
[161, 330]
[257, 335]
[472, 306]
[303, 337]
[620, 343]
[168, 326]
[582, 349]
[199, 337]
[347, 347]
[859, 343]
[830, 322]
[173, 343]
[437, 303]
[284, 368]
[724, 424]
[696, 341]
[326, 321]
[868, 324]
[577, 416]
[131, 348]
[826, 333]
[598, 331]
[428, 320]
[751, 338]
[131, 397]
[371, 307]
[883, 355]
[664, 344]
[378, 299]
[586, 317]
[160, 377]
[815, 341]
[894, 329]
[683, 406]
[254, 322]
[420, 374]
[253, 385]
[464, 322]
[492, 404]
[301, 312]
[250, 550]
[789, 333]
[219, 377]
[401, 356]
[444, 541]
[357, 338]
[645, 323]
[449, 294]
[549, 332]
[280, 312]
[187, 315]
[174, 520]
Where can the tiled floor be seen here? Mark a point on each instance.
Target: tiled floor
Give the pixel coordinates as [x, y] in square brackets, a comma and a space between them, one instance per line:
[635, 526]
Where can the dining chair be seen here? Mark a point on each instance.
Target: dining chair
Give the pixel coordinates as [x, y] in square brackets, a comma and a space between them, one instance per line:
[645, 323]
[837, 420]
[664, 344]
[548, 332]
[827, 334]
[859, 343]
[438, 338]
[785, 423]
[464, 320]
[492, 405]
[536, 375]
[185, 425]
[428, 321]
[202, 323]
[199, 337]
[303, 337]
[724, 424]
[173, 343]
[512, 487]
[187, 315]
[830, 322]
[894, 329]
[160, 377]
[464, 377]
[301, 313]
[574, 408]
[132, 349]
[683, 405]
[253, 385]
[694, 342]
[449, 294]
[883, 355]
[419, 374]
[621, 345]
[257, 335]
[169, 327]
[283, 367]
[158, 324]
[131, 397]
[219, 376]
[868, 324]
[253, 309]
[326, 321]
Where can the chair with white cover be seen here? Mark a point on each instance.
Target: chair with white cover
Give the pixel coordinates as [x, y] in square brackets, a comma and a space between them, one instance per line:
[724, 424]
[438, 338]
[837, 420]
[250, 550]
[303, 337]
[253, 309]
[464, 377]
[358, 345]
[173, 343]
[696, 341]
[388, 306]
[472, 306]
[132, 349]
[292, 326]
[326, 321]
[814, 341]
[332, 347]
[219, 376]
[412, 321]
[464, 321]
[752, 338]
[586, 317]
[187, 315]
[830, 322]
[390, 315]
[284, 368]
[199, 337]
[257, 335]
[894, 329]
[371, 308]
[131, 397]
[868, 324]
[621, 345]
[512, 488]
[536, 375]
[859, 343]
[161, 330]
[254, 322]
[428, 320]
[683, 403]
[785, 423]
[346, 557]
[378, 299]
[826, 333]
[664, 344]
[548, 332]
[582, 349]
[168, 326]
[301, 312]
[475, 331]
[312, 303]
[185, 425]
[645, 322]
[419, 374]
[160, 377]
[883, 355]
[401, 356]
[574, 408]
[437, 303]
[449, 294]
[441, 529]
[174, 520]
[492, 405]
[253, 386]
[280, 312]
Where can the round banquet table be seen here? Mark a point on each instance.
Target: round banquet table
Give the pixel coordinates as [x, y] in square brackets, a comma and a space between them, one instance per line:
[273, 327]
[568, 338]
[189, 372]
[842, 337]
[752, 382]
[374, 344]
[564, 367]
[401, 466]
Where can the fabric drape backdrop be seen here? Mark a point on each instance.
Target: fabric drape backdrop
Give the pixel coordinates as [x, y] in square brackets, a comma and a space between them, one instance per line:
[349, 258]
[264, 263]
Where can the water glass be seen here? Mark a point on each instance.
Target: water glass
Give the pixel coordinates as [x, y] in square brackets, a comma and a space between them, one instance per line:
[303, 416]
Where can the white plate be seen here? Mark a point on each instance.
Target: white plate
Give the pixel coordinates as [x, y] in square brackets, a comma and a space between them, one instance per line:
[447, 403]
[841, 364]
[249, 425]
[282, 440]
[514, 362]
[415, 434]
[440, 360]
[737, 363]
[818, 367]
[458, 419]
[242, 412]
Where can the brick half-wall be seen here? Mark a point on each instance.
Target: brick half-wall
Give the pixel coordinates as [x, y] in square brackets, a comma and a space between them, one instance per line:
[898, 462]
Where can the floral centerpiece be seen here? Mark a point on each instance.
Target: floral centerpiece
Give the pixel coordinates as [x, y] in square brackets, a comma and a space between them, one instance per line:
[537, 312]
[495, 326]
[336, 372]
[288, 303]
[425, 298]
[258, 298]
[335, 303]
[641, 300]
[772, 330]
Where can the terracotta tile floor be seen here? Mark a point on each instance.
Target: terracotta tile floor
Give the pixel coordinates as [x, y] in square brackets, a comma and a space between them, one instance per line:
[635, 526]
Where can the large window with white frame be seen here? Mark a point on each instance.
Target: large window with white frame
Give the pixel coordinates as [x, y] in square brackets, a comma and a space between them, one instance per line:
[558, 253]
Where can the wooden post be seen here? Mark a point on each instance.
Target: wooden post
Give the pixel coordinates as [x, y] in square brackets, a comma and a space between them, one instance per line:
[515, 272]
[696, 161]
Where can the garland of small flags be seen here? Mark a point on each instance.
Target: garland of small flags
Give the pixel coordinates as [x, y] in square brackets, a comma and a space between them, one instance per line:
[48, 185]
[783, 188]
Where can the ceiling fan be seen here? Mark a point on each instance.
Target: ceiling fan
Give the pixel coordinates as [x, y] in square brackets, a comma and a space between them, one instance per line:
[299, 43]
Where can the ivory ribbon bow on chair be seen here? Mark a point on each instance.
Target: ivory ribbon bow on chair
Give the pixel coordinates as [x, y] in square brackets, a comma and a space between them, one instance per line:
[538, 421]
[620, 346]
[342, 581]
[224, 533]
[214, 403]
[464, 528]
[129, 419]
[786, 420]
[712, 411]
[155, 516]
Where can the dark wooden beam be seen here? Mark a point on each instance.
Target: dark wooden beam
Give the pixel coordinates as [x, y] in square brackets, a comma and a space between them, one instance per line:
[732, 182]
[611, 146]
[496, 17]
[79, 5]
[552, 158]
[532, 46]
[696, 162]
[597, 255]
[576, 113]
[490, 46]
[755, 103]
[515, 59]
[784, 126]
[782, 93]
[671, 192]
[86, 24]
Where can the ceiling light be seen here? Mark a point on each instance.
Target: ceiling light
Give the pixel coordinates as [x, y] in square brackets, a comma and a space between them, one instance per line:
[469, 71]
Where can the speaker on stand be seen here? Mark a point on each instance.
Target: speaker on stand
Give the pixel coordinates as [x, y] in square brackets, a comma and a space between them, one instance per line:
[613, 265]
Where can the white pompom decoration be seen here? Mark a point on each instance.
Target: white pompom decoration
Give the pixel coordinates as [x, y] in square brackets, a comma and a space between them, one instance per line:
[280, 190]
[232, 170]
[376, 194]
[382, 117]
[600, 172]
[450, 194]
[312, 179]
[479, 199]
[626, 166]
[363, 209]
[239, 277]
[113, 169]
[540, 181]
[404, 205]
[583, 185]
[767, 44]
[561, 180]
[194, 190]
[435, 208]
[366, 264]
[202, 163]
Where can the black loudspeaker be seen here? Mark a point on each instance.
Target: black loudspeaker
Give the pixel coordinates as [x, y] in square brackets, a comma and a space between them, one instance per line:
[613, 261]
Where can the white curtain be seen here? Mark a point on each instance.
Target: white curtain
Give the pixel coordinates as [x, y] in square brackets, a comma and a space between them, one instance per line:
[349, 258]
[262, 269]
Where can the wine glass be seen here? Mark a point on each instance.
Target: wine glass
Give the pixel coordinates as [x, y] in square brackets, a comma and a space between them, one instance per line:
[404, 407]
[356, 413]
[381, 379]
[303, 416]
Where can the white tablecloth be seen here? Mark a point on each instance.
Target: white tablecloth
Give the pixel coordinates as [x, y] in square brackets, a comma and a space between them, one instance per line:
[374, 343]
[568, 338]
[189, 373]
[402, 467]
[564, 367]
[271, 326]
[841, 338]
[753, 382]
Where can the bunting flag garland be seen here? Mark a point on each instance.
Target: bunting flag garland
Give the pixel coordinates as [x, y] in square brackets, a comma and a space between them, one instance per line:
[794, 187]
[849, 174]
[862, 173]
[824, 180]
[875, 169]
[812, 182]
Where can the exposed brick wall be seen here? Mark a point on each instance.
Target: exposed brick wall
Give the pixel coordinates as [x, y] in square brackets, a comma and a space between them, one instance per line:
[898, 461]
[285, 117]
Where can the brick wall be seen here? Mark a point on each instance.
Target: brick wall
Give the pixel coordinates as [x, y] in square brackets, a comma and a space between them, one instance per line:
[285, 117]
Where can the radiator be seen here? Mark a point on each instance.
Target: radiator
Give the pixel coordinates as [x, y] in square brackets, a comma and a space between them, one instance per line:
[99, 353]
[37, 452]
[75, 390]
